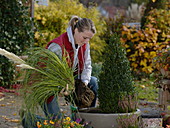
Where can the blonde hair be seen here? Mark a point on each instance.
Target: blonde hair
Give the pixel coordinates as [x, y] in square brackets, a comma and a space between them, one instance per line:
[82, 24]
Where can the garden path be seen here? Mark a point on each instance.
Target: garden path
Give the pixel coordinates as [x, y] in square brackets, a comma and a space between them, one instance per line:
[10, 103]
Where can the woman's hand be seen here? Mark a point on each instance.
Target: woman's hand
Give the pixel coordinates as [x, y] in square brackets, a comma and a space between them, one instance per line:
[64, 91]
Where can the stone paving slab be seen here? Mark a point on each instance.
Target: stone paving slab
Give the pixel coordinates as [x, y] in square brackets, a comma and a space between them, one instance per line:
[11, 103]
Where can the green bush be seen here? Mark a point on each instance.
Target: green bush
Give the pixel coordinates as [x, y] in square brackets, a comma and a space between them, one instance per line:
[53, 20]
[16, 35]
[96, 69]
[115, 79]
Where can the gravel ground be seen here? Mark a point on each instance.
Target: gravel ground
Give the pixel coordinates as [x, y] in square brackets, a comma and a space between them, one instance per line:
[10, 104]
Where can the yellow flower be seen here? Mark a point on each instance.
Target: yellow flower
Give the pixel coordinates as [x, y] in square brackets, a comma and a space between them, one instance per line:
[51, 122]
[72, 124]
[45, 122]
[39, 125]
[68, 118]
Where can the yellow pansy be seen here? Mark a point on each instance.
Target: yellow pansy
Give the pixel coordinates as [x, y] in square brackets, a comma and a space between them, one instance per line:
[39, 125]
[45, 122]
[68, 118]
[51, 122]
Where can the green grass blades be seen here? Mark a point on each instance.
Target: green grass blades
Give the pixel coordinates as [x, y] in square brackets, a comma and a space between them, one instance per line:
[48, 78]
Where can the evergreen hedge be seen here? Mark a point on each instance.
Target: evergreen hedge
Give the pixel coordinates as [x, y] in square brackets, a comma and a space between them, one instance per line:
[16, 35]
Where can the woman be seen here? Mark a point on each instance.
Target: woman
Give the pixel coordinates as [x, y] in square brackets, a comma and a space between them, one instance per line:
[76, 42]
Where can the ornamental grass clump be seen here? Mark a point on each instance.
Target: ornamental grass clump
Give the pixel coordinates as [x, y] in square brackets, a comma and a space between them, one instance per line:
[116, 90]
[45, 75]
[52, 76]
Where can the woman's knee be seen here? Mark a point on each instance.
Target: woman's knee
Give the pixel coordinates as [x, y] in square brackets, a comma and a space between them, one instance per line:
[94, 84]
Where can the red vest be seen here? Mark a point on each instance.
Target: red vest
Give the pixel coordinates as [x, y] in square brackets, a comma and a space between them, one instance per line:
[64, 43]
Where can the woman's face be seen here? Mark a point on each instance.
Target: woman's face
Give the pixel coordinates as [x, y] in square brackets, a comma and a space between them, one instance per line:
[81, 38]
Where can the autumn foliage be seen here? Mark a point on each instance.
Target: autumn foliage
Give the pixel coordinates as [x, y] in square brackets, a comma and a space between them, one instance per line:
[144, 44]
[51, 21]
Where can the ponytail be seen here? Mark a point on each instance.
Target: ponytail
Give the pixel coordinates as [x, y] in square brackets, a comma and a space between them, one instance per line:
[82, 24]
[73, 22]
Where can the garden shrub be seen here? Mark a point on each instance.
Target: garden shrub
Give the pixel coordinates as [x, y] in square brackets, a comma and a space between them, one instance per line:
[143, 45]
[113, 25]
[96, 69]
[152, 4]
[115, 79]
[16, 35]
[53, 20]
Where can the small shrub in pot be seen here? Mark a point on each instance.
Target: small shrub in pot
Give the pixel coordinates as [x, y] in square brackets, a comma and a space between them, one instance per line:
[116, 91]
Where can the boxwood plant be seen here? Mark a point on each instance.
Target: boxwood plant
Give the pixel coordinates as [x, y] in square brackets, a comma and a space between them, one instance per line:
[116, 90]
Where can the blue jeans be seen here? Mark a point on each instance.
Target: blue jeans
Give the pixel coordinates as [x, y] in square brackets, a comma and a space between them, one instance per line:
[52, 109]
[93, 85]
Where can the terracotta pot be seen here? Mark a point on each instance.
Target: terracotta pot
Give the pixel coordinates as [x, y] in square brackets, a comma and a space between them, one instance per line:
[110, 120]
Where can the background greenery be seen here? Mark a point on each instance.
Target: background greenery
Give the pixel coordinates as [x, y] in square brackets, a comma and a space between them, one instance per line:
[16, 35]
[53, 20]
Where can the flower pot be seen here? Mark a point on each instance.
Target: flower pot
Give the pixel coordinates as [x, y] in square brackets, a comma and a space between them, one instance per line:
[110, 120]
